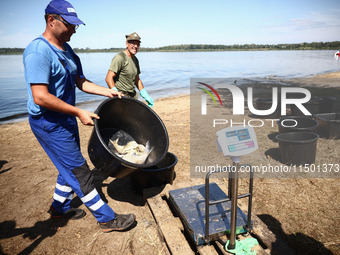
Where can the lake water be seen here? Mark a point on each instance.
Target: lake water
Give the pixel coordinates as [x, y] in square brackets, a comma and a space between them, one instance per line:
[168, 73]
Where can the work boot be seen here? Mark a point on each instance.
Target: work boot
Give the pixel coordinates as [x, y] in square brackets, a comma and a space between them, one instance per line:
[121, 222]
[72, 214]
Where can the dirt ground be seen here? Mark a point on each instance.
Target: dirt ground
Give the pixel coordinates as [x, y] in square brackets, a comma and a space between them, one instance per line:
[303, 212]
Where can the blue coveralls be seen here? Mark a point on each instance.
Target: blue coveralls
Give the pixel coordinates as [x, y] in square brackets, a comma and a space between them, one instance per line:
[58, 134]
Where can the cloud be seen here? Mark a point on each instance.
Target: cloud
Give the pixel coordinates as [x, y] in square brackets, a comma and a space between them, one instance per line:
[316, 21]
[302, 24]
[311, 27]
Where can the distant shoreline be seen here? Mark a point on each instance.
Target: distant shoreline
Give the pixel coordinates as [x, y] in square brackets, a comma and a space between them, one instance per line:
[335, 45]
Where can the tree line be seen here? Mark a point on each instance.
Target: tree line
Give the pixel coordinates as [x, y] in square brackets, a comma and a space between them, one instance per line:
[335, 45]
[296, 46]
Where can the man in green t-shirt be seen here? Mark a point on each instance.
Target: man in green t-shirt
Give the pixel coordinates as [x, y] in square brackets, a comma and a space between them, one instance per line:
[124, 71]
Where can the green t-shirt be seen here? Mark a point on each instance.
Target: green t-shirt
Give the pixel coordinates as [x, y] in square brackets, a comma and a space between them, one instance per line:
[126, 69]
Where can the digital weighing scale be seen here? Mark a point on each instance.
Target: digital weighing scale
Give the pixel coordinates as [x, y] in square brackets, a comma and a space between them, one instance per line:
[205, 210]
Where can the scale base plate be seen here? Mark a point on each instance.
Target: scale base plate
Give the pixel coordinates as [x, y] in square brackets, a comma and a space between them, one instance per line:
[189, 203]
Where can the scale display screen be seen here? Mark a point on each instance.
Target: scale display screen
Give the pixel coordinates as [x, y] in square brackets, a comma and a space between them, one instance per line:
[237, 140]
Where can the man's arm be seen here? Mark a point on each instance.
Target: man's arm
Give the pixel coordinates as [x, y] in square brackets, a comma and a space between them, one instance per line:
[110, 79]
[139, 83]
[142, 91]
[42, 97]
[92, 88]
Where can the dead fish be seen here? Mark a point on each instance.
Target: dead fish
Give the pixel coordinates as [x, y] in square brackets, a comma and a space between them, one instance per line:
[129, 147]
[135, 158]
[132, 151]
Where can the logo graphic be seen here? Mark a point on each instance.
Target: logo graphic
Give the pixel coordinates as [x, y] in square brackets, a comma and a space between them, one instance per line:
[204, 97]
[238, 99]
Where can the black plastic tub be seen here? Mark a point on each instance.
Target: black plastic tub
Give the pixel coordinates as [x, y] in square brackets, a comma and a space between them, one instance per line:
[329, 125]
[266, 104]
[133, 118]
[297, 124]
[313, 106]
[160, 174]
[297, 148]
[327, 104]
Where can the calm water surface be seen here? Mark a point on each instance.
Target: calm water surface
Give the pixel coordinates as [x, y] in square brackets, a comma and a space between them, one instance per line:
[168, 73]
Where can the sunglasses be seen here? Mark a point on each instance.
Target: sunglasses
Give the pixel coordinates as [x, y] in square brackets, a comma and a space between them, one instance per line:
[68, 25]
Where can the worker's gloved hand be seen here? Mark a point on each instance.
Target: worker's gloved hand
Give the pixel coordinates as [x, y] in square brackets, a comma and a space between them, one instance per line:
[146, 96]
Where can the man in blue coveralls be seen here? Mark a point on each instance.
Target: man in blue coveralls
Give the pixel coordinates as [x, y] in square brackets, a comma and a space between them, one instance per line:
[52, 71]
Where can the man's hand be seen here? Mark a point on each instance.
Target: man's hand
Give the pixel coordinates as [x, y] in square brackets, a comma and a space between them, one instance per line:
[92, 88]
[115, 93]
[146, 96]
[86, 117]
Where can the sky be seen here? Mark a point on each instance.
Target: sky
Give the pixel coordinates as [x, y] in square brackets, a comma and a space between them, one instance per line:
[162, 23]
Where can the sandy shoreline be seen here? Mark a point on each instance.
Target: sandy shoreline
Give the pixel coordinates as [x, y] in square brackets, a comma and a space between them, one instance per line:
[326, 80]
[297, 209]
[328, 75]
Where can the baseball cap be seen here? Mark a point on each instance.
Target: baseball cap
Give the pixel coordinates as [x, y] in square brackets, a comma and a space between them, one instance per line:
[133, 37]
[65, 10]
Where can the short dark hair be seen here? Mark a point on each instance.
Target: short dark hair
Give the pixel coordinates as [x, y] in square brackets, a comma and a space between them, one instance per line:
[52, 14]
